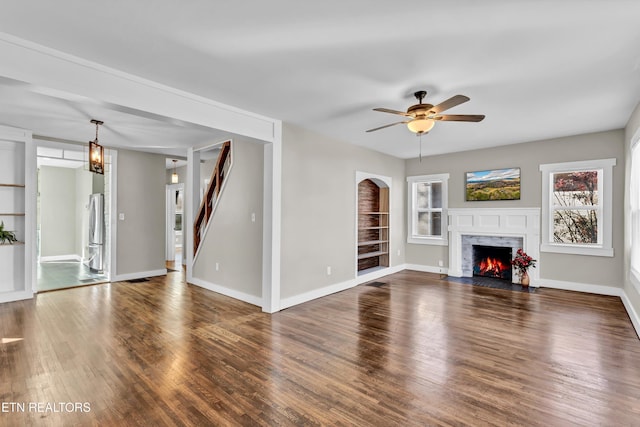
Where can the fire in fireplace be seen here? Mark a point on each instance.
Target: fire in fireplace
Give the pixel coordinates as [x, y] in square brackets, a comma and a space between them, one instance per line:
[492, 261]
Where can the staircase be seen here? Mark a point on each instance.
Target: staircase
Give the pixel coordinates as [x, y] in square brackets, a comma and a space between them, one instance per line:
[212, 194]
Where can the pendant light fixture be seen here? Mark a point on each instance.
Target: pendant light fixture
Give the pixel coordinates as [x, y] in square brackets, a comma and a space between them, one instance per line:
[174, 176]
[96, 152]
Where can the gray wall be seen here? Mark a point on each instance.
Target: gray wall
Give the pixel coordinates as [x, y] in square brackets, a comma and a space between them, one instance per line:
[141, 197]
[572, 268]
[233, 240]
[632, 127]
[58, 213]
[319, 208]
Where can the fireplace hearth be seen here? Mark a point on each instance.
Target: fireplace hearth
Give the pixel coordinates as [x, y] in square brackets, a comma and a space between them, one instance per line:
[492, 261]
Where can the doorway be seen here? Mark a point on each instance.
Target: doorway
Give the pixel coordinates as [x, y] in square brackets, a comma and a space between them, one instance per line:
[175, 231]
[72, 206]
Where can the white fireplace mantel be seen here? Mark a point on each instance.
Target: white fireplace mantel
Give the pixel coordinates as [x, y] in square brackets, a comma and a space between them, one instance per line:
[502, 222]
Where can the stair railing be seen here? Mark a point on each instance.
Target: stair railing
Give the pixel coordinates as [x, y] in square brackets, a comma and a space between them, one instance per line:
[211, 195]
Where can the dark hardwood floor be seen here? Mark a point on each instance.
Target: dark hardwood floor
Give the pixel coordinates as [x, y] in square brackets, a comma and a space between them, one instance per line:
[417, 350]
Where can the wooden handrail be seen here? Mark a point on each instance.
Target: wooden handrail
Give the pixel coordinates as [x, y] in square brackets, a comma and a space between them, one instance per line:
[213, 191]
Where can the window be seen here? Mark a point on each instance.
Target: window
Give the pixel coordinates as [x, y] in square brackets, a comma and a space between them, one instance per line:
[427, 222]
[634, 199]
[577, 208]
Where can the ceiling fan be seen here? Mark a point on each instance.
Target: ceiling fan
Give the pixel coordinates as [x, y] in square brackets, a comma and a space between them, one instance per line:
[421, 117]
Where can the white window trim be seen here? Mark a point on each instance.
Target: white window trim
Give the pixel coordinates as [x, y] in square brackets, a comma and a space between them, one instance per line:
[442, 240]
[605, 248]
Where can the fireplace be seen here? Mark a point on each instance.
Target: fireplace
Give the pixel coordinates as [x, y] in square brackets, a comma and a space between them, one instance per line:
[492, 261]
[510, 228]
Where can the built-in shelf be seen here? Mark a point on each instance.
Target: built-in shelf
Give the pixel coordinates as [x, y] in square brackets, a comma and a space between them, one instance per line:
[372, 254]
[372, 242]
[17, 172]
[373, 225]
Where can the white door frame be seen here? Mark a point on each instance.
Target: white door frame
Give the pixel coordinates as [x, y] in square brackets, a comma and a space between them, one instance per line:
[170, 245]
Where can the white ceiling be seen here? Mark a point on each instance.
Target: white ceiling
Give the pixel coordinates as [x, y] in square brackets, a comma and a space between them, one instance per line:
[536, 69]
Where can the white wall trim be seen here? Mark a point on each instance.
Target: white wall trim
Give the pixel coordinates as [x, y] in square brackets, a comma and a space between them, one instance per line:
[251, 299]
[379, 273]
[272, 223]
[72, 77]
[634, 278]
[113, 216]
[191, 198]
[70, 257]
[599, 290]
[443, 239]
[633, 314]
[139, 275]
[581, 287]
[317, 293]
[503, 222]
[338, 287]
[15, 296]
[427, 268]
[30, 220]
[170, 189]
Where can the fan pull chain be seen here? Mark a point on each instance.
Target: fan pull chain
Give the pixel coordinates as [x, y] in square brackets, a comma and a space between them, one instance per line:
[420, 143]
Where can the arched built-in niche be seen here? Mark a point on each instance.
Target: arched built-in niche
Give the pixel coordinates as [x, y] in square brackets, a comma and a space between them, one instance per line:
[373, 223]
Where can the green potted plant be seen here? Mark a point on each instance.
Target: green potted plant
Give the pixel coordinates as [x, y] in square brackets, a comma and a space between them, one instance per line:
[522, 262]
[6, 235]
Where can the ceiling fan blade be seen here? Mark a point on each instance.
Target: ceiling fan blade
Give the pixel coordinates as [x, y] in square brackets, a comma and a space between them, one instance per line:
[386, 126]
[459, 117]
[450, 103]
[387, 110]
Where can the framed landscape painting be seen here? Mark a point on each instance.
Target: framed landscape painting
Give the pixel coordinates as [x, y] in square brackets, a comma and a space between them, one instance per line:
[496, 184]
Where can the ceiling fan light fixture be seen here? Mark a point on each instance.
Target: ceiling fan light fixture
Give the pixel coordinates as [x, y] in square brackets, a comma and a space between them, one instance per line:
[420, 125]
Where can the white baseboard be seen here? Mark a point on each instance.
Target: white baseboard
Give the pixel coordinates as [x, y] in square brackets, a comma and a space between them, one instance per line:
[600, 290]
[139, 275]
[426, 268]
[379, 273]
[339, 287]
[581, 287]
[564, 285]
[633, 314]
[15, 296]
[71, 257]
[251, 299]
[317, 293]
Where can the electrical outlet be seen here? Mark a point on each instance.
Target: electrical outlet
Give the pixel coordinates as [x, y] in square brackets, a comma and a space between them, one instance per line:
[253, 217]
[217, 266]
[121, 216]
[440, 263]
[328, 270]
